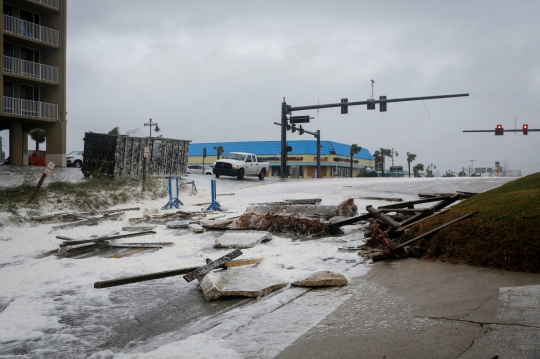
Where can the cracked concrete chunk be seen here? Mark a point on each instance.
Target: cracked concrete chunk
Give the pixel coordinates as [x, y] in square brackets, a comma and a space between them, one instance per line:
[177, 224]
[245, 282]
[195, 228]
[322, 279]
[139, 227]
[242, 239]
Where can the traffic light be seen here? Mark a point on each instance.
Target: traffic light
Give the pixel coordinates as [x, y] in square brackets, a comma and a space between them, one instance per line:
[301, 130]
[204, 152]
[293, 128]
[344, 109]
[371, 104]
[499, 130]
[525, 129]
[382, 105]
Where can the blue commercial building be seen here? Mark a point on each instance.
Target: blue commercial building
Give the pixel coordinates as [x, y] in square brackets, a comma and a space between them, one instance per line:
[301, 161]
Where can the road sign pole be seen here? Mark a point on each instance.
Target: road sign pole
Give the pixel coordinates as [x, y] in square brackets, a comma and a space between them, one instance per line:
[283, 166]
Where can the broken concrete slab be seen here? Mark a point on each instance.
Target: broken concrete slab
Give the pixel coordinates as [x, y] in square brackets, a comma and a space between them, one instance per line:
[243, 281]
[242, 239]
[177, 224]
[195, 228]
[322, 279]
[139, 227]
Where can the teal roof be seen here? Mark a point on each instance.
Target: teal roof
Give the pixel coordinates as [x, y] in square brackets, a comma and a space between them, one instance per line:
[299, 147]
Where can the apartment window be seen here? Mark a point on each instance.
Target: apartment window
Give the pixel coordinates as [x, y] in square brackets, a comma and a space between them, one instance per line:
[8, 89]
[29, 54]
[8, 9]
[8, 49]
[29, 92]
[29, 16]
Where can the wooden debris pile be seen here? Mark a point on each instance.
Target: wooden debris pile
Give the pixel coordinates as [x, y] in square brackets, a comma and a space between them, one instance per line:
[388, 223]
[271, 222]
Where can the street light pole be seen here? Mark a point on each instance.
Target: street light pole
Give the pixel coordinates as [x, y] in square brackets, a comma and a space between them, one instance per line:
[150, 123]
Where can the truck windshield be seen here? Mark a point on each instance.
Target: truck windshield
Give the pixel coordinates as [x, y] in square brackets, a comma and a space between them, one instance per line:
[235, 156]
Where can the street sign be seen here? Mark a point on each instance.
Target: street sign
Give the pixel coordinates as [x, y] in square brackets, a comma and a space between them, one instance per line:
[497, 170]
[49, 168]
[300, 119]
[145, 151]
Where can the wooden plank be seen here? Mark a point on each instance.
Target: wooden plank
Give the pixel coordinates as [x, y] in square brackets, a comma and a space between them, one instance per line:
[433, 209]
[142, 244]
[382, 199]
[402, 228]
[382, 216]
[351, 220]
[134, 245]
[434, 195]
[242, 262]
[143, 277]
[436, 229]
[410, 204]
[101, 239]
[212, 265]
[129, 253]
[402, 210]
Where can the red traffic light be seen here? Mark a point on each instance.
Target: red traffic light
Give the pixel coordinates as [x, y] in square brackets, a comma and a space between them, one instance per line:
[525, 129]
[499, 130]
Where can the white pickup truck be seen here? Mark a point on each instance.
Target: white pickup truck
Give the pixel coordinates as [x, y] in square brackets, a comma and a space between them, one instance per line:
[240, 164]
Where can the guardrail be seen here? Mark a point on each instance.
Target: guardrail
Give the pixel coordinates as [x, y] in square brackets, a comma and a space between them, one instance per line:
[31, 69]
[51, 3]
[17, 106]
[31, 30]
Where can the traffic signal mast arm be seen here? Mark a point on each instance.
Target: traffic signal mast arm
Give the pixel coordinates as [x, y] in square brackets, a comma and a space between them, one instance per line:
[314, 107]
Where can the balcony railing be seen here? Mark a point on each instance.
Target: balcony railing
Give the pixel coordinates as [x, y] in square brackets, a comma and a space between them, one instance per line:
[17, 106]
[31, 30]
[31, 69]
[51, 3]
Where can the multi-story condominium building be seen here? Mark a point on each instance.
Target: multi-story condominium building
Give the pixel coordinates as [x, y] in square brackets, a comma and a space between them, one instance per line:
[34, 76]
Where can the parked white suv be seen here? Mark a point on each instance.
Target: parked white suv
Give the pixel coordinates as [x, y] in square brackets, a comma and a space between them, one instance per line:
[199, 169]
[75, 159]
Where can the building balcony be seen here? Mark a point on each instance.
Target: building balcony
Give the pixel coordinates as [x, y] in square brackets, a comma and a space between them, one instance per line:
[31, 69]
[31, 30]
[52, 3]
[20, 107]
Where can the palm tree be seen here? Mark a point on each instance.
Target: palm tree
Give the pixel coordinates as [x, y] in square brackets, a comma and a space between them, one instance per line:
[219, 151]
[377, 157]
[410, 158]
[353, 151]
[419, 167]
[385, 152]
[38, 135]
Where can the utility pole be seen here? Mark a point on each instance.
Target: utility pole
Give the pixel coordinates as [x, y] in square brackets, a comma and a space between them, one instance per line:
[370, 104]
[472, 166]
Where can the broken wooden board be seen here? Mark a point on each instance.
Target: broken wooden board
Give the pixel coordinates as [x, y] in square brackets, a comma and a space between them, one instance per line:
[245, 282]
[323, 279]
[349, 249]
[139, 227]
[60, 215]
[351, 220]
[212, 265]
[382, 217]
[130, 252]
[71, 241]
[169, 273]
[446, 201]
[436, 229]
[89, 220]
[382, 199]
[136, 245]
[76, 249]
[411, 204]
[242, 239]
[242, 262]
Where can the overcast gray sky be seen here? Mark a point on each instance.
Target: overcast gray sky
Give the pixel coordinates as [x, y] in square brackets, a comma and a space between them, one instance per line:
[218, 71]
